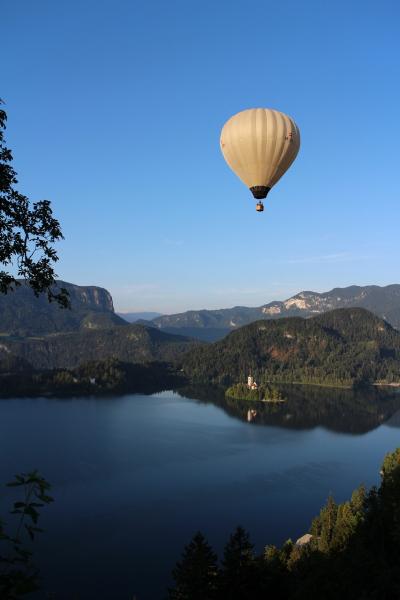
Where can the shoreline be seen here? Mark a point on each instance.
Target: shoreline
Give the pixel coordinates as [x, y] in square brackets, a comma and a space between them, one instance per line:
[333, 386]
[264, 400]
[395, 384]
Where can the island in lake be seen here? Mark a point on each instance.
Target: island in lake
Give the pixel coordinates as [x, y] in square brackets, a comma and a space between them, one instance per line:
[254, 392]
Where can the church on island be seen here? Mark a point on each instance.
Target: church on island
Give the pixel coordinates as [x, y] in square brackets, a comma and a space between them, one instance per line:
[251, 383]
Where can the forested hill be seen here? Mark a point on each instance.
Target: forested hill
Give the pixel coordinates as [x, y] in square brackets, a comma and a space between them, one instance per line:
[215, 324]
[129, 344]
[23, 314]
[341, 347]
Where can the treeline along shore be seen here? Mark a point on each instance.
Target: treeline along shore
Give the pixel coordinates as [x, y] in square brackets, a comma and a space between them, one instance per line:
[96, 378]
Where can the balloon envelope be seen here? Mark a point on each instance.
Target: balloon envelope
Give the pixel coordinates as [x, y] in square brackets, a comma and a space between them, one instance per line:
[259, 145]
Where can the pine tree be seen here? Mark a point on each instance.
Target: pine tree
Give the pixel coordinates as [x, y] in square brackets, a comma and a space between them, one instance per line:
[323, 526]
[276, 577]
[389, 494]
[345, 526]
[196, 574]
[240, 576]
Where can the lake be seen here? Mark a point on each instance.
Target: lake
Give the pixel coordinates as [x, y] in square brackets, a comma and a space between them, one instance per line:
[134, 477]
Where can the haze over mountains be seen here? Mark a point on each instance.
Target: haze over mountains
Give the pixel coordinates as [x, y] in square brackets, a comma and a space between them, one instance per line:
[24, 315]
[212, 325]
[132, 317]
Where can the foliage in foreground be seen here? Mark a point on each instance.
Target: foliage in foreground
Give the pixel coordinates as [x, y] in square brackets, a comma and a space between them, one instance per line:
[354, 552]
[27, 234]
[18, 575]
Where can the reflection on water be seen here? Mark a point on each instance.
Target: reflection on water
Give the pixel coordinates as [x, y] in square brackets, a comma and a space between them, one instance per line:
[337, 409]
[251, 414]
[135, 476]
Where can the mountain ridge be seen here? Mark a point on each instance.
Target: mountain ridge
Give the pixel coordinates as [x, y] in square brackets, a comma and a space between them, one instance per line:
[384, 301]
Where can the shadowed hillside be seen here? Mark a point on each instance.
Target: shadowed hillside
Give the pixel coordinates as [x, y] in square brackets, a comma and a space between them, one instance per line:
[131, 344]
[342, 347]
[24, 314]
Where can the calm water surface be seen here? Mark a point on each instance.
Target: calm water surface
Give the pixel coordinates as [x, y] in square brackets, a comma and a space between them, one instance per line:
[134, 477]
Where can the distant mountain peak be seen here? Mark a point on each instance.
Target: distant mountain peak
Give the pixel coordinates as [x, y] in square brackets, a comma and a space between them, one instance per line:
[382, 301]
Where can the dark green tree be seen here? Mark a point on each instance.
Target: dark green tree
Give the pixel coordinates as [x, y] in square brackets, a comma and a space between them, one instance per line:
[323, 526]
[27, 234]
[349, 517]
[390, 498]
[240, 578]
[276, 577]
[196, 574]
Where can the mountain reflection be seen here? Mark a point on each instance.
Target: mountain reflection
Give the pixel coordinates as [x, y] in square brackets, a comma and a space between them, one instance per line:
[340, 410]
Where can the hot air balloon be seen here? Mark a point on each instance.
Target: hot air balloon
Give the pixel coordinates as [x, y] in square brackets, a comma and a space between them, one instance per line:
[259, 145]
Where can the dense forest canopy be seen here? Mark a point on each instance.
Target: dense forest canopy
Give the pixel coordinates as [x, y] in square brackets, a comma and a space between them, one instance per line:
[343, 347]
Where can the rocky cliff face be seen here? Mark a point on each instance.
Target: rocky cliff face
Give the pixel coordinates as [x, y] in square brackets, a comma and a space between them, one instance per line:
[22, 314]
[383, 301]
[92, 297]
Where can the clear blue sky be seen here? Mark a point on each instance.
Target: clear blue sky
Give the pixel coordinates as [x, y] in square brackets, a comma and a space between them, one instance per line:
[115, 109]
